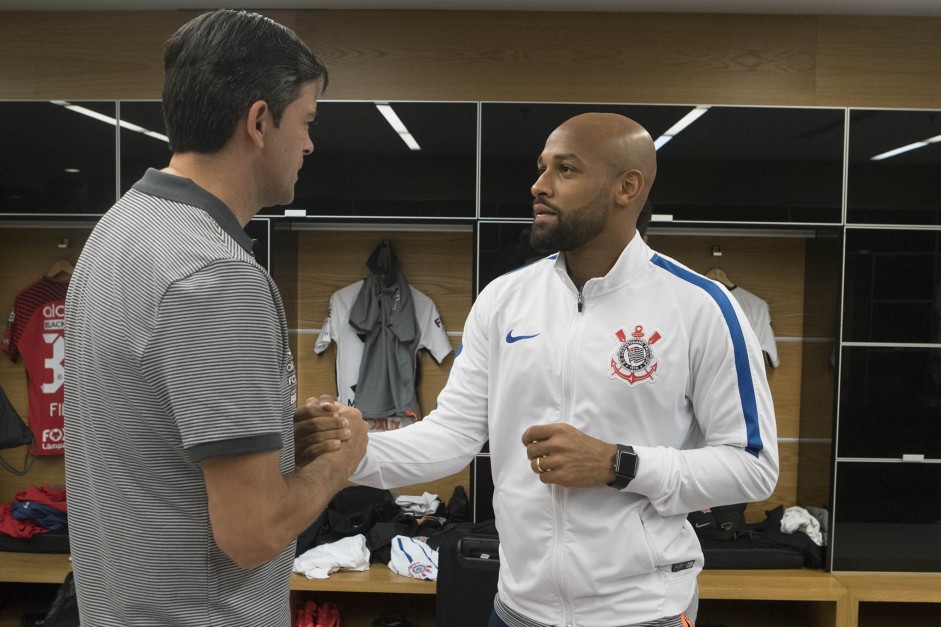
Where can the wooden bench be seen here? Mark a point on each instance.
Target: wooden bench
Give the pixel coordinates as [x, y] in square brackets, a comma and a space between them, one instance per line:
[868, 589]
[34, 567]
[814, 596]
[758, 597]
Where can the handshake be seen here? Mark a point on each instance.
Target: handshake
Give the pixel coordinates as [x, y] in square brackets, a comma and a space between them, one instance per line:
[327, 430]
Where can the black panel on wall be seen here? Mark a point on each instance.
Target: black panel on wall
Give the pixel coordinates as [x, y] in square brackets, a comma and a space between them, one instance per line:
[892, 286]
[482, 488]
[361, 167]
[503, 247]
[140, 150]
[890, 402]
[887, 517]
[513, 136]
[894, 189]
[259, 229]
[56, 157]
[733, 164]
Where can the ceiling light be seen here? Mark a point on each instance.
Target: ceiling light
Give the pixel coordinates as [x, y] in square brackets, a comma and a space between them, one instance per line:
[677, 128]
[397, 125]
[159, 136]
[898, 151]
[661, 141]
[110, 120]
[906, 148]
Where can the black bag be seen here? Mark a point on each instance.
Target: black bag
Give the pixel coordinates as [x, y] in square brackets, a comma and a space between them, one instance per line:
[13, 431]
[468, 568]
[379, 538]
[728, 543]
[50, 542]
[458, 508]
[64, 609]
[723, 522]
[772, 537]
[353, 510]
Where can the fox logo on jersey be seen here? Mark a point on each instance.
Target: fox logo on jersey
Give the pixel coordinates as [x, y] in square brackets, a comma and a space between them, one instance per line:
[635, 360]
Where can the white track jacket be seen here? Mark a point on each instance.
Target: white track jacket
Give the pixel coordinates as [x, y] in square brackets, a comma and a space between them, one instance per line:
[652, 355]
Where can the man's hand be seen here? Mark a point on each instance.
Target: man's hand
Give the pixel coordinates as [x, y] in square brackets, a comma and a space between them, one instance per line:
[353, 450]
[321, 425]
[561, 454]
[330, 447]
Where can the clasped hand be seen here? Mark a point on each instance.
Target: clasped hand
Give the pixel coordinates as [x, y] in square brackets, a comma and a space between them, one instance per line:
[323, 425]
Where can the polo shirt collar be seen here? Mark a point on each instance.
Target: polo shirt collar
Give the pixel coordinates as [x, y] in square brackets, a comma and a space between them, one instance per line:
[186, 191]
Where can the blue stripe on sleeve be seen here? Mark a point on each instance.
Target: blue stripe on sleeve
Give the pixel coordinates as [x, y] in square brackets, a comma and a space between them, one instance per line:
[746, 387]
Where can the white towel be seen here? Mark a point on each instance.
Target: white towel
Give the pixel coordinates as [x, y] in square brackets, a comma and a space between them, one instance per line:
[799, 519]
[424, 504]
[348, 553]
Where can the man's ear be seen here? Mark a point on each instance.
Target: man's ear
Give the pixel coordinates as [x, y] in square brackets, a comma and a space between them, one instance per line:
[631, 183]
[257, 122]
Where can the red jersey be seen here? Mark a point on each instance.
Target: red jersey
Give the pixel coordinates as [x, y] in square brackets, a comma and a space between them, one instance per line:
[36, 332]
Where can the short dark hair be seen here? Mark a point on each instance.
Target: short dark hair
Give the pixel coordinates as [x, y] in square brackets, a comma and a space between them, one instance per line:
[219, 64]
[643, 220]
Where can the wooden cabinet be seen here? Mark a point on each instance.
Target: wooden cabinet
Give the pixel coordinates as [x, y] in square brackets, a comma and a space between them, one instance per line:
[743, 598]
[881, 600]
[28, 583]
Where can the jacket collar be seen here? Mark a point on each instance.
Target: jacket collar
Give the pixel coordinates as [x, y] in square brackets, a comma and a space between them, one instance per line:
[632, 260]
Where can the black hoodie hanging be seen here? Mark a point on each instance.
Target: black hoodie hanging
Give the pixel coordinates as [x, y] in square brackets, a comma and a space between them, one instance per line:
[383, 315]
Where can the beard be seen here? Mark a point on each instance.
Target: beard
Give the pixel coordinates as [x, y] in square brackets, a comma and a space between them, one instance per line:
[572, 228]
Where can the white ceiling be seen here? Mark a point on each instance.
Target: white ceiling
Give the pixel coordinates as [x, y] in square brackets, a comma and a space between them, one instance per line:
[792, 7]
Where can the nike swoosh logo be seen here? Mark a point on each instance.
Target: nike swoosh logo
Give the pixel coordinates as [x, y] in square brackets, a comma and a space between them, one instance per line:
[510, 338]
[701, 525]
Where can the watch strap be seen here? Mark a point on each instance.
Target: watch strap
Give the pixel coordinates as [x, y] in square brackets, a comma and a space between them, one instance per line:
[625, 466]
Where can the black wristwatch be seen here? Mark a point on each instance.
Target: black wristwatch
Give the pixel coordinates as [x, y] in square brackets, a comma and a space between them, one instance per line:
[625, 466]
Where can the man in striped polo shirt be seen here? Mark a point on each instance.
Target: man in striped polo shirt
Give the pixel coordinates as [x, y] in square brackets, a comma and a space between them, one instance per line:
[184, 501]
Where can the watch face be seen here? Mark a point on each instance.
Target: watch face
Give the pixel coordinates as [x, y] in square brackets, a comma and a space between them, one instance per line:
[627, 463]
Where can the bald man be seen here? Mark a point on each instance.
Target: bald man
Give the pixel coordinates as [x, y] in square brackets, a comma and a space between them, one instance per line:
[619, 391]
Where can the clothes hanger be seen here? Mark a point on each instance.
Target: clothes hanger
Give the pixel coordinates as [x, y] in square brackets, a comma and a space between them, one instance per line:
[718, 274]
[60, 268]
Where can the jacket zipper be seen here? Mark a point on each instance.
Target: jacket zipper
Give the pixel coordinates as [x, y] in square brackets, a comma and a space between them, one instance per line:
[558, 494]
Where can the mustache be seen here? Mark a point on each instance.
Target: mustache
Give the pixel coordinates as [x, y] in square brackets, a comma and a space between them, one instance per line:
[540, 200]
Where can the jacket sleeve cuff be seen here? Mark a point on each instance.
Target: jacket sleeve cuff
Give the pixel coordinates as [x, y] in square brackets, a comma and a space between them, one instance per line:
[649, 479]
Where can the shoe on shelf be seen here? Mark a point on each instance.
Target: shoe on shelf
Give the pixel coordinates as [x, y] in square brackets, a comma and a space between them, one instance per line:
[306, 614]
[328, 615]
[393, 619]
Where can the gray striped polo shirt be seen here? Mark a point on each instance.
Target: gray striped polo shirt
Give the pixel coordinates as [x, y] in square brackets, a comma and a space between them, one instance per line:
[176, 351]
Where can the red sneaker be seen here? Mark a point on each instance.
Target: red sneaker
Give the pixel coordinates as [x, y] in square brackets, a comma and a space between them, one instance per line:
[328, 615]
[306, 613]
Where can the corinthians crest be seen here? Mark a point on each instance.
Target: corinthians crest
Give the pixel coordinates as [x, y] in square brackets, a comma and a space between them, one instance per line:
[635, 360]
